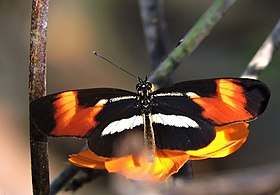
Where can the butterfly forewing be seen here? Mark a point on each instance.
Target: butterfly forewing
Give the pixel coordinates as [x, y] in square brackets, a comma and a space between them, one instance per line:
[192, 109]
[73, 113]
[219, 101]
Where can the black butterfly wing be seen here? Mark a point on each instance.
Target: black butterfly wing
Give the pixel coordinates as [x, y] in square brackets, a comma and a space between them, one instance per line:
[78, 112]
[205, 103]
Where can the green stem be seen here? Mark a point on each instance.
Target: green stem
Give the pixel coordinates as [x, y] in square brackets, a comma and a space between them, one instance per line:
[192, 39]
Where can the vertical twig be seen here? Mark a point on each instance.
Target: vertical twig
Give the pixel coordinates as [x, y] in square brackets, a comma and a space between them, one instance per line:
[37, 88]
[156, 33]
[155, 29]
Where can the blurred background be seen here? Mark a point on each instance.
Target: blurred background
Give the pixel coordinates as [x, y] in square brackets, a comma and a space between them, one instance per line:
[114, 29]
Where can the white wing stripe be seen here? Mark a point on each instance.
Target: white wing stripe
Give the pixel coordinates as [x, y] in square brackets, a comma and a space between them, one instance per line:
[174, 120]
[134, 121]
[123, 124]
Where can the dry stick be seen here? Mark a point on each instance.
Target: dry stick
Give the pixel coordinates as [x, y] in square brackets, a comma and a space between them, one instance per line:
[192, 39]
[157, 41]
[199, 31]
[262, 58]
[37, 88]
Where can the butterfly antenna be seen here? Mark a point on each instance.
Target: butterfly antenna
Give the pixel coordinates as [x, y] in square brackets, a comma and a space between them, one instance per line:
[112, 63]
[179, 43]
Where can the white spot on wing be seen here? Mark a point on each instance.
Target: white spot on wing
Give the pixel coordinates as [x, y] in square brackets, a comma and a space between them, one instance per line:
[101, 102]
[174, 120]
[192, 95]
[123, 124]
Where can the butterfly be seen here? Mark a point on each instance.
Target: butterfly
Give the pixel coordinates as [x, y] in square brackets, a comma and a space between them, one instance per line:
[190, 120]
[181, 117]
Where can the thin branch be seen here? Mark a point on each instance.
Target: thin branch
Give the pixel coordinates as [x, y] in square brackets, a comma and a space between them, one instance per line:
[263, 57]
[192, 39]
[90, 175]
[37, 88]
[63, 178]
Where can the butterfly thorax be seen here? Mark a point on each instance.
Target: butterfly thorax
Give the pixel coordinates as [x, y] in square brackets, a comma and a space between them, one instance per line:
[144, 90]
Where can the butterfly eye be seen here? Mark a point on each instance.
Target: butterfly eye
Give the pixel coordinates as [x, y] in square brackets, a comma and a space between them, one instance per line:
[149, 86]
[139, 87]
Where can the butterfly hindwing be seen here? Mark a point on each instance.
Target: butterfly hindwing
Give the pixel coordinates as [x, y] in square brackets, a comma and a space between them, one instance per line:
[72, 113]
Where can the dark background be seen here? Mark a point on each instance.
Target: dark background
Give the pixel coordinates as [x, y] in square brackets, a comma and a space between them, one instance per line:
[114, 29]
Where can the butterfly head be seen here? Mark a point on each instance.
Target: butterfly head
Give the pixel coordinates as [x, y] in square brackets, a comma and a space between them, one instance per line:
[144, 87]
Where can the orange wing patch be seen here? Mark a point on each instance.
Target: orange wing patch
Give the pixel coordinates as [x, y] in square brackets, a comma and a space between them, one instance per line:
[166, 163]
[72, 120]
[228, 139]
[227, 106]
